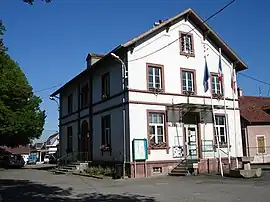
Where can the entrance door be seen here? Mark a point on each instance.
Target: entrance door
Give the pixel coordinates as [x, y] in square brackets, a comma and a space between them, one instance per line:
[191, 141]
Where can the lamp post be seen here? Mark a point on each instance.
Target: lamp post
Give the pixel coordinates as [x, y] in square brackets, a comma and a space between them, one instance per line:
[58, 108]
[124, 77]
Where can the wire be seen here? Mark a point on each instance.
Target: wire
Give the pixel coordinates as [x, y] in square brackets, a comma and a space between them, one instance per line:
[49, 88]
[213, 15]
[254, 79]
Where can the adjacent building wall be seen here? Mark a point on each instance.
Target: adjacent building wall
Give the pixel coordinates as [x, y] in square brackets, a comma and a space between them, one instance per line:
[252, 132]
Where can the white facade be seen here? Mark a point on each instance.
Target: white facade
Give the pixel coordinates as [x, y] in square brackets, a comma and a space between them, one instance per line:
[172, 61]
[139, 101]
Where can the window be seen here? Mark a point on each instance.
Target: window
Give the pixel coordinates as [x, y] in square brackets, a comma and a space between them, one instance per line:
[188, 81]
[186, 44]
[156, 129]
[155, 75]
[70, 103]
[106, 130]
[105, 86]
[220, 122]
[261, 144]
[216, 85]
[84, 95]
[69, 139]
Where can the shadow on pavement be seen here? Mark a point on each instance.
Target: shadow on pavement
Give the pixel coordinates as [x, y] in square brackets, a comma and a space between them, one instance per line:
[23, 190]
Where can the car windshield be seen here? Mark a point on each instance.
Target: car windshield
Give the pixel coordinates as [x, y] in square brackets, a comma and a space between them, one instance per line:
[46, 156]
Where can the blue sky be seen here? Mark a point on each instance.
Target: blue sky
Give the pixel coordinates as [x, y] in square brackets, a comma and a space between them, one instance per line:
[50, 41]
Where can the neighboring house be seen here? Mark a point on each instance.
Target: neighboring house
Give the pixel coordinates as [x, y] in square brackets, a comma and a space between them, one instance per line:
[162, 100]
[51, 143]
[50, 146]
[255, 123]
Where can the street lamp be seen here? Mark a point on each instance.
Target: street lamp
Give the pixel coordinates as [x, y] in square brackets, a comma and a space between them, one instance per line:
[124, 77]
[58, 107]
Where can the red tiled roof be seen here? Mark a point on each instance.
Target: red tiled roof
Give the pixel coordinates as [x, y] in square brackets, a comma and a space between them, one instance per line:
[253, 108]
[17, 150]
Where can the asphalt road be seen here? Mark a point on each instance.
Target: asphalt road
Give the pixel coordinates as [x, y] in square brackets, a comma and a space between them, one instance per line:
[43, 186]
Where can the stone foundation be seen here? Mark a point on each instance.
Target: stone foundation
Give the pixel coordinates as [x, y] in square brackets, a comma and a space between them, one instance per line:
[212, 165]
[151, 168]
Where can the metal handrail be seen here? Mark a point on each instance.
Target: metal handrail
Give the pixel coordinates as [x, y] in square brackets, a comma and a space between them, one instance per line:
[74, 156]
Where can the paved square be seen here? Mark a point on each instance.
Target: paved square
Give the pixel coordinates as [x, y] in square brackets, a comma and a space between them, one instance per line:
[37, 185]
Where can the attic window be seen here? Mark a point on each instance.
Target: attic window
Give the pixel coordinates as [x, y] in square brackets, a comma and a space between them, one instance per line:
[186, 44]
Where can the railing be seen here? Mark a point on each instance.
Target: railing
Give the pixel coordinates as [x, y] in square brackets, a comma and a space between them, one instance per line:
[74, 157]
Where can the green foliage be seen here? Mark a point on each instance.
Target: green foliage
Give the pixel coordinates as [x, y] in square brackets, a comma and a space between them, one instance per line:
[98, 170]
[21, 118]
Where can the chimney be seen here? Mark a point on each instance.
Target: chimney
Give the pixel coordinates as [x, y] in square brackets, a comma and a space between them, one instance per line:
[92, 58]
[240, 92]
[158, 23]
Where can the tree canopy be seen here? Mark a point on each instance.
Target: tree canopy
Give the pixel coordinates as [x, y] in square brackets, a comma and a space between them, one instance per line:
[21, 118]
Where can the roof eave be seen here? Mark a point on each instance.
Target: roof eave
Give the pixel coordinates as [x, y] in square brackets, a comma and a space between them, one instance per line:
[86, 70]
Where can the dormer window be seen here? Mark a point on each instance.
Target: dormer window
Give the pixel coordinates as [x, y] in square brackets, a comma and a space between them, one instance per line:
[186, 44]
[155, 77]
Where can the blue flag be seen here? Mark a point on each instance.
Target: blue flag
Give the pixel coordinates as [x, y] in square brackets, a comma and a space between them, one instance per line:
[206, 77]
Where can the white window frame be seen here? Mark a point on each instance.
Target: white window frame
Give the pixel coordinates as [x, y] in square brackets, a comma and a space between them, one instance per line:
[258, 145]
[216, 82]
[107, 131]
[185, 73]
[156, 126]
[184, 38]
[217, 130]
[153, 77]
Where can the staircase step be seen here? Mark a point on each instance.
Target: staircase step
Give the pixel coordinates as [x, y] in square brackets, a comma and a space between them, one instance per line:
[69, 167]
[64, 170]
[177, 174]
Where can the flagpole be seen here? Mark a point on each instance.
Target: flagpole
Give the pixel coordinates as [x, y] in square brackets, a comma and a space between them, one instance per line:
[216, 135]
[206, 88]
[225, 111]
[234, 115]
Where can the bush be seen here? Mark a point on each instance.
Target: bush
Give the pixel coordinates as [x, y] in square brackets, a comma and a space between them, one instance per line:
[98, 170]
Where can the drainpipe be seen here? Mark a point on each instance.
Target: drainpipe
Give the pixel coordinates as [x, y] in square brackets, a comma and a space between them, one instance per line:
[124, 77]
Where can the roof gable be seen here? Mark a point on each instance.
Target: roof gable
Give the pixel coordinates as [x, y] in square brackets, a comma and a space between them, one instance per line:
[254, 109]
[195, 19]
[190, 15]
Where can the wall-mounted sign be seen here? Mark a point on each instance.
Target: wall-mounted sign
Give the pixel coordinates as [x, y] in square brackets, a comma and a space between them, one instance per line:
[139, 150]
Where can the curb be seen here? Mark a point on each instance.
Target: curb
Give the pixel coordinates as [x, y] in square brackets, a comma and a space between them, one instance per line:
[86, 175]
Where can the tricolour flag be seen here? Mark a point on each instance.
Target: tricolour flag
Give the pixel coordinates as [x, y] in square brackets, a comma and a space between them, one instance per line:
[220, 73]
[233, 81]
[206, 77]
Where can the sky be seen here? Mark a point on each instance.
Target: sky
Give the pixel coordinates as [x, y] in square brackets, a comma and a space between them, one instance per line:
[51, 41]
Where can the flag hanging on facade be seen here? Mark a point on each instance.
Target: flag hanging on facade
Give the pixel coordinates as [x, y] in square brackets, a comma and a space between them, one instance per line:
[220, 73]
[233, 81]
[206, 77]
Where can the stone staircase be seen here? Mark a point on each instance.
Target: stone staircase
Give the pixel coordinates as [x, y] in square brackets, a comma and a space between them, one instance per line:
[184, 168]
[180, 170]
[70, 168]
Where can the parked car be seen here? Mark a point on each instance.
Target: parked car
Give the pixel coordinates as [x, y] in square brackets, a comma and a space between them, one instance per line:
[12, 161]
[46, 158]
[32, 159]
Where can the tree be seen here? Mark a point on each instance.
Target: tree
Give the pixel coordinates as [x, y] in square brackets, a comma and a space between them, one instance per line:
[21, 118]
[31, 2]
